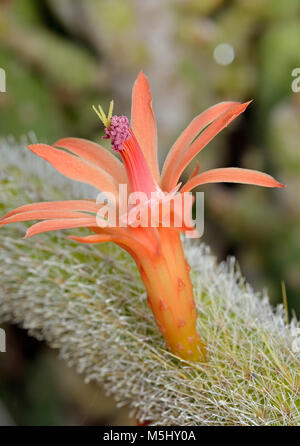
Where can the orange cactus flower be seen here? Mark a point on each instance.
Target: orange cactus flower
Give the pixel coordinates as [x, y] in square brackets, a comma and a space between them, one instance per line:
[157, 250]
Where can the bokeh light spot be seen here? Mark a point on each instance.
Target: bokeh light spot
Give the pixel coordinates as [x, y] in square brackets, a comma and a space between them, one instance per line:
[224, 54]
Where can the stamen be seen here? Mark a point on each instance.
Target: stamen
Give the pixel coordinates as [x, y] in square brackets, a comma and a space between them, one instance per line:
[118, 132]
[117, 128]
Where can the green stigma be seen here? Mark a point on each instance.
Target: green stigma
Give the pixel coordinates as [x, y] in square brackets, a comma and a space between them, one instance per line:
[105, 119]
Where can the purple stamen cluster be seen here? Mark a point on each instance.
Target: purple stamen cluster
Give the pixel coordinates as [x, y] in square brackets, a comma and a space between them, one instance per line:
[118, 132]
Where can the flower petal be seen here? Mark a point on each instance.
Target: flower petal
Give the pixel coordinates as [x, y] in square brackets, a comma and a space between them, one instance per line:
[41, 215]
[143, 122]
[76, 168]
[92, 238]
[137, 239]
[95, 154]
[195, 171]
[139, 175]
[68, 205]
[232, 175]
[189, 134]
[54, 225]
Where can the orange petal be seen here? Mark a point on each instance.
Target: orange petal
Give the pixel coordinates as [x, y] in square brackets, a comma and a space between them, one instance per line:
[76, 168]
[139, 240]
[68, 205]
[54, 225]
[92, 238]
[41, 215]
[95, 154]
[195, 171]
[189, 134]
[139, 174]
[143, 122]
[232, 175]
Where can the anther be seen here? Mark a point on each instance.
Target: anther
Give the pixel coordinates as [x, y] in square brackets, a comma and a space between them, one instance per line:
[118, 132]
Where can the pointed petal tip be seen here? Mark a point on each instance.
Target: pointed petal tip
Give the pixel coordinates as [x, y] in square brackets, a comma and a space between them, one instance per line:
[141, 74]
[245, 105]
[72, 237]
[142, 79]
[278, 184]
[36, 146]
[61, 141]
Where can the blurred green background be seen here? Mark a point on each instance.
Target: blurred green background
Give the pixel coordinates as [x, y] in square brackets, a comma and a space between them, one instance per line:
[62, 56]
